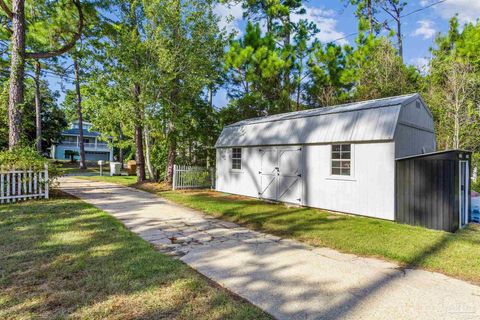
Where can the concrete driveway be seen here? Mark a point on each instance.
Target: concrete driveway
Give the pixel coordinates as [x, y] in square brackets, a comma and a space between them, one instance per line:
[285, 278]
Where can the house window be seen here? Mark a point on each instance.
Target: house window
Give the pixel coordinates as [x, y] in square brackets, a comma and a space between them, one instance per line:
[342, 159]
[236, 158]
[69, 139]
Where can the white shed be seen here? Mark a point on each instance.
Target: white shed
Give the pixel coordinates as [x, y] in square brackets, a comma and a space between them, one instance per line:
[339, 158]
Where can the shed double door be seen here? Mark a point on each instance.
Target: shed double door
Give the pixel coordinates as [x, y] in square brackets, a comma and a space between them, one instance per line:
[281, 174]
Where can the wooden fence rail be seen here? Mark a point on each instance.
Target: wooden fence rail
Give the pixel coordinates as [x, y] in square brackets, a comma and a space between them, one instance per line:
[18, 185]
[189, 177]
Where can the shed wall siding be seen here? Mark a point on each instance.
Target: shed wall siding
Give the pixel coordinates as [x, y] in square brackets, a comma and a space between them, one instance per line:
[369, 192]
[412, 141]
[418, 116]
[246, 181]
[414, 134]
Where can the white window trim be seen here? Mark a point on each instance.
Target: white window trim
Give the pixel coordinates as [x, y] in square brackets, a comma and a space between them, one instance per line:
[231, 160]
[351, 177]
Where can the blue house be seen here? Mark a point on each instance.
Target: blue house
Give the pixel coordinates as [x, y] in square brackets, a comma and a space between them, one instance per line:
[95, 148]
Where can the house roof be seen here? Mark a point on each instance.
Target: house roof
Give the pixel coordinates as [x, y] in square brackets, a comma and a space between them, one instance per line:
[370, 120]
[76, 132]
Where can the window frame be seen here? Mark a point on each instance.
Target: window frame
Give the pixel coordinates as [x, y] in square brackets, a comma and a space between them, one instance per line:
[342, 159]
[234, 157]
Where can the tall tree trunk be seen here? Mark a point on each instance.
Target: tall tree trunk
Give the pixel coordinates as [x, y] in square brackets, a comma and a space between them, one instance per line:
[139, 157]
[38, 107]
[147, 153]
[83, 164]
[370, 14]
[17, 72]
[172, 154]
[174, 97]
[120, 149]
[286, 74]
[399, 37]
[210, 96]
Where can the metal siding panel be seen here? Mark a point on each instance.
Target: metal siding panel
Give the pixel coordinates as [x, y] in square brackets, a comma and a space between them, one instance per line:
[435, 195]
[455, 216]
[429, 198]
[360, 125]
[411, 173]
[399, 190]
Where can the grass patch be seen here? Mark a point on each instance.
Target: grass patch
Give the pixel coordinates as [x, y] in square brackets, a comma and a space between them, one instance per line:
[63, 258]
[455, 254]
[129, 181]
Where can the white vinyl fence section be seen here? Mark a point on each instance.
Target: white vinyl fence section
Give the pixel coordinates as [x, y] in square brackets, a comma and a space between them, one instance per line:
[188, 177]
[18, 185]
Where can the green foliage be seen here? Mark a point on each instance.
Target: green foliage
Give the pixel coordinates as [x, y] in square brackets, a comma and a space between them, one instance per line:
[452, 87]
[72, 154]
[328, 71]
[52, 117]
[22, 158]
[159, 61]
[379, 72]
[255, 67]
[25, 158]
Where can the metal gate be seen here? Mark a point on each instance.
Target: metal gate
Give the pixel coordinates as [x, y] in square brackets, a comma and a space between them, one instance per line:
[281, 174]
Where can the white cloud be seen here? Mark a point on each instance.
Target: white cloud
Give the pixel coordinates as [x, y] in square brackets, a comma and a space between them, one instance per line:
[325, 21]
[425, 29]
[422, 64]
[468, 10]
[230, 17]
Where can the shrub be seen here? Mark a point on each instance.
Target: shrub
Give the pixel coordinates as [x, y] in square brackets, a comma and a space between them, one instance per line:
[25, 158]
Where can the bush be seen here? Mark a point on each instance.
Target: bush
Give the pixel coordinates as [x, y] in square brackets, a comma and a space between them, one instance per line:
[25, 158]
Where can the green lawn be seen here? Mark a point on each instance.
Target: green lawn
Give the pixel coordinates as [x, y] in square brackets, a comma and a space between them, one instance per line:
[123, 180]
[63, 258]
[455, 254]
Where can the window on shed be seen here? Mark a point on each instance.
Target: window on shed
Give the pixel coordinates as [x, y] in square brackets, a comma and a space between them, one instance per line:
[341, 159]
[236, 158]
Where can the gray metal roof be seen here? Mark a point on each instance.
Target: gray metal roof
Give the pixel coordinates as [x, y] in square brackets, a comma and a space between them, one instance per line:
[360, 121]
[76, 132]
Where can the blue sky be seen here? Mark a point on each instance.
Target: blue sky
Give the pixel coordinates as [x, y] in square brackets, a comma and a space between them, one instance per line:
[336, 20]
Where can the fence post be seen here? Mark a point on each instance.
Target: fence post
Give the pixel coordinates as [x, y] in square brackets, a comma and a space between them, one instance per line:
[2, 184]
[212, 178]
[174, 182]
[45, 177]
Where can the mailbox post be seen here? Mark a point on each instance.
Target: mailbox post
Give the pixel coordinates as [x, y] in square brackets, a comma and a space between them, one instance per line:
[101, 163]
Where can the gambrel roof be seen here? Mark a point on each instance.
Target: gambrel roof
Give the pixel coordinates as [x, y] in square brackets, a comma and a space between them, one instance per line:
[373, 120]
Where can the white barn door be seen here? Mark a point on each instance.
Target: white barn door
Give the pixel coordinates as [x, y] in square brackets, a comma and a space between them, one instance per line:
[281, 174]
[268, 174]
[290, 175]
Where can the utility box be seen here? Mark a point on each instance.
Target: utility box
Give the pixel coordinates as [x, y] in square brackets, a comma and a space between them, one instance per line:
[115, 168]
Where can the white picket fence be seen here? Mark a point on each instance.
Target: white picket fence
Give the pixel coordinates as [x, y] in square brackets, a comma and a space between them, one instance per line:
[18, 185]
[189, 177]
